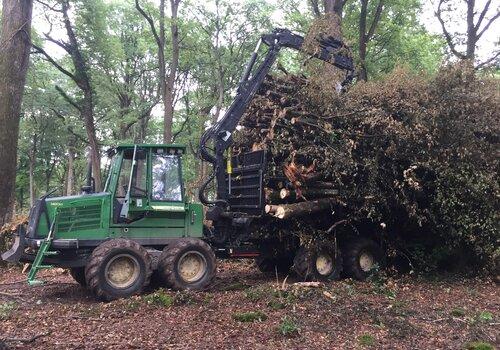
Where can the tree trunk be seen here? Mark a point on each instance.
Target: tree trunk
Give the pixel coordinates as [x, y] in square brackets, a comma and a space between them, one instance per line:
[366, 35]
[362, 40]
[142, 129]
[70, 178]
[32, 163]
[15, 43]
[334, 6]
[471, 31]
[169, 94]
[82, 79]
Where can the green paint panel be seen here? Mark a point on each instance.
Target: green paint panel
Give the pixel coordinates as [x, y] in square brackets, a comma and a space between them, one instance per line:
[85, 217]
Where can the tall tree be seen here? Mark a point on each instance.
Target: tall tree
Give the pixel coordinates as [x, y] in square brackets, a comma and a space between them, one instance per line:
[15, 42]
[127, 79]
[167, 75]
[81, 77]
[398, 37]
[477, 23]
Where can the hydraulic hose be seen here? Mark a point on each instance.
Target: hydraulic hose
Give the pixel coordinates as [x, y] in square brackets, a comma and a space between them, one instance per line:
[203, 198]
[204, 153]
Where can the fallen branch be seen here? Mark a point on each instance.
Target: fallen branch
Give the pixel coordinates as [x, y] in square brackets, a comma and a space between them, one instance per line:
[11, 295]
[340, 222]
[15, 282]
[329, 295]
[308, 284]
[25, 340]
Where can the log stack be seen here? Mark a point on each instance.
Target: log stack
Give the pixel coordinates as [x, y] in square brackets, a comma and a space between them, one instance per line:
[299, 180]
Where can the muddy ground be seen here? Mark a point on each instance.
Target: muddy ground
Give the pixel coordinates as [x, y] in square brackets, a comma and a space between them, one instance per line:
[245, 309]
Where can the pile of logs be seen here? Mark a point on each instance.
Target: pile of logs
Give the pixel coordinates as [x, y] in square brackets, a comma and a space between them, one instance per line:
[298, 143]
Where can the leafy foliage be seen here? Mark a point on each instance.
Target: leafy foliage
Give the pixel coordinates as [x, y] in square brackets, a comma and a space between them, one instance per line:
[159, 298]
[479, 345]
[250, 316]
[424, 148]
[6, 309]
[366, 340]
[288, 327]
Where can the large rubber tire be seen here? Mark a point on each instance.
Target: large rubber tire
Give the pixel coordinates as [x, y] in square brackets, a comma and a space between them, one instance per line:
[361, 256]
[307, 262]
[171, 264]
[78, 274]
[271, 265]
[100, 282]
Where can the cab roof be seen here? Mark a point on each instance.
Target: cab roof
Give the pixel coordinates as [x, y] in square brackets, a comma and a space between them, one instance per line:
[151, 145]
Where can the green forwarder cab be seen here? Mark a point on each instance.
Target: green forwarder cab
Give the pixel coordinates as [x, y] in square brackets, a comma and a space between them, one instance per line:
[114, 240]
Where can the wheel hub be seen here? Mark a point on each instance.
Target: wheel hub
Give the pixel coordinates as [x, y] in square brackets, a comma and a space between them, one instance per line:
[366, 261]
[324, 264]
[192, 266]
[122, 271]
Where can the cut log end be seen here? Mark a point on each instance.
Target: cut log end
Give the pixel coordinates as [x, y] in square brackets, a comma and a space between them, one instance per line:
[286, 211]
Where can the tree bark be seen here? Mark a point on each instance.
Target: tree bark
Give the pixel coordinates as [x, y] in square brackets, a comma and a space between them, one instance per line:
[32, 164]
[70, 178]
[166, 82]
[471, 31]
[15, 42]
[334, 6]
[365, 36]
[362, 40]
[169, 95]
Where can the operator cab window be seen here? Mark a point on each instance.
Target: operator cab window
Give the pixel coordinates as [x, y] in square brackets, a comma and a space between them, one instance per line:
[167, 185]
[138, 186]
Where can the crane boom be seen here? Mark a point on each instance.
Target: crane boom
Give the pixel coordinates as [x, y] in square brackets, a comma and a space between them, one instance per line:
[221, 131]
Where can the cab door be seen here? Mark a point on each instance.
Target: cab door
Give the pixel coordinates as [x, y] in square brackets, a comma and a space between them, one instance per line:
[167, 204]
[139, 197]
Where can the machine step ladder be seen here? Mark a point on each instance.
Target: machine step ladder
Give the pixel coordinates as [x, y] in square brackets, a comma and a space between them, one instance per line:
[43, 251]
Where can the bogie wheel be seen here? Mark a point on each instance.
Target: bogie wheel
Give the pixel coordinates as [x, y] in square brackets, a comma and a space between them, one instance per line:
[78, 274]
[118, 268]
[272, 264]
[321, 262]
[187, 263]
[362, 256]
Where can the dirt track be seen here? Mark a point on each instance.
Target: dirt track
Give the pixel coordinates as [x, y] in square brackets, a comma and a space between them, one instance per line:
[403, 313]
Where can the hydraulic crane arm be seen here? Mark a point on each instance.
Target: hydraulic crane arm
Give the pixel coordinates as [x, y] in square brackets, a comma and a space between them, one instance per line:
[221, 132]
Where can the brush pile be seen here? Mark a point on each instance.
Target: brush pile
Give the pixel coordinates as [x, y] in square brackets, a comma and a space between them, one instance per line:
[7, 232]
[419, 155]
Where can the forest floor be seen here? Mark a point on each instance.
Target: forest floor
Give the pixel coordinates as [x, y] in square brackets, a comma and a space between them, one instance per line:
[245, 309]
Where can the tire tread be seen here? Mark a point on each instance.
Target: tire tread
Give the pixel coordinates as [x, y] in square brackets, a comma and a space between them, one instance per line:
[99, 255]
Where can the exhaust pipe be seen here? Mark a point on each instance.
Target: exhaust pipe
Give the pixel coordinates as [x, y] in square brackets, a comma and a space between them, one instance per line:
[89, 186]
